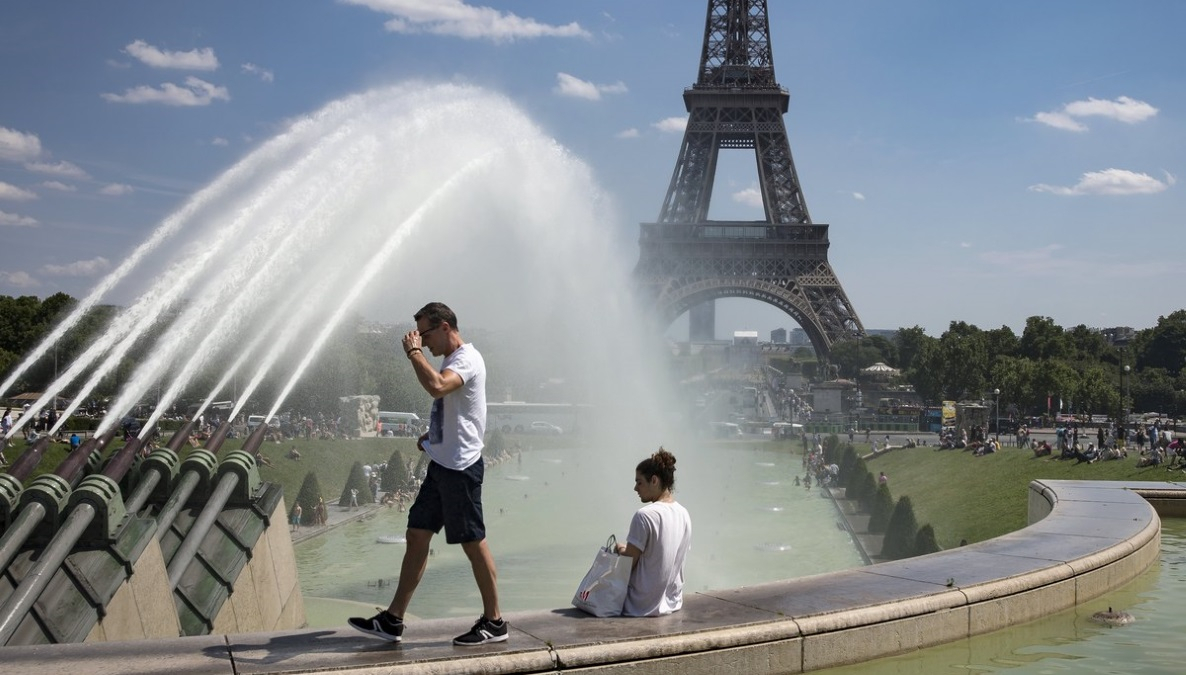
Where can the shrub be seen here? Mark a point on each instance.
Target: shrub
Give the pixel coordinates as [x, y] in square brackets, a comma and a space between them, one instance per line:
[395, 475]
[831, 444]
[847, 459]
[882, 509]
[901, 532]
[307, 498]
[357, 481]
[856, 474]
[925, 542]
[866, 491]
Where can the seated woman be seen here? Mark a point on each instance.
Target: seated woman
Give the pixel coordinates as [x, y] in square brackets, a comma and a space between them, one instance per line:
[659, 538]
[1042, 449]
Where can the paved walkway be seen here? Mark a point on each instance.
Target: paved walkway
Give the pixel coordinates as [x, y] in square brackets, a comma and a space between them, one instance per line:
[335, 516]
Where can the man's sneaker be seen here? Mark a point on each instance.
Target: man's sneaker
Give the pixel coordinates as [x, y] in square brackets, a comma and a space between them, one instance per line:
[484, 631]
[382, 625]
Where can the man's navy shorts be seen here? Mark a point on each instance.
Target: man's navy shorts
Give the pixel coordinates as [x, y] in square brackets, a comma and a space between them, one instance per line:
[451, 499]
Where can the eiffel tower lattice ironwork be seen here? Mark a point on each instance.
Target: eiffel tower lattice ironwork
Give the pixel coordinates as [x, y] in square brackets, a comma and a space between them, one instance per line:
[687, 261]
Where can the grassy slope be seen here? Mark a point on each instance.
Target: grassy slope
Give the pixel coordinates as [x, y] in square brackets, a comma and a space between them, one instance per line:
[978, 498]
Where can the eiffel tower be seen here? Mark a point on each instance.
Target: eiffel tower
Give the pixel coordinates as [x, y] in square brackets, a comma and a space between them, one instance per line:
[685, 260]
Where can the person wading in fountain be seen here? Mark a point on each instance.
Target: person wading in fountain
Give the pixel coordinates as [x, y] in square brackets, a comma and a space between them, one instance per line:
[451, 495]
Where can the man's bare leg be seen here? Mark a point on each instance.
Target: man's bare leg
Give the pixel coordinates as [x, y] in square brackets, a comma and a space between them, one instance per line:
[485, 574]
[411, 571]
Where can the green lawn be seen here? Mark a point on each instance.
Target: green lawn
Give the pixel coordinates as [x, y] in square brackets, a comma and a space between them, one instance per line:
[978, 498]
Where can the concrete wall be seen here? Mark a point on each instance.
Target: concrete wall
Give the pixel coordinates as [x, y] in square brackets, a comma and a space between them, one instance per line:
[266, 597]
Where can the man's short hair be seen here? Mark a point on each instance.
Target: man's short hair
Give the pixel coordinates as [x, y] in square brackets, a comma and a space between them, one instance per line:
[435, 313]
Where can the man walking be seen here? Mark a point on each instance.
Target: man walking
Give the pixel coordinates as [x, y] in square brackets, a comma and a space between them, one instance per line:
[451, 494]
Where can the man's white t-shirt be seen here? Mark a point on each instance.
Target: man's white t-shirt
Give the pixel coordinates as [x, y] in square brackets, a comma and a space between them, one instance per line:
[663, 532]
[458, 420]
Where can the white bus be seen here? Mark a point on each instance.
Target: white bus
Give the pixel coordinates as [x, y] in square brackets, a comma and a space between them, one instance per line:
[400, 424]
[516, 417]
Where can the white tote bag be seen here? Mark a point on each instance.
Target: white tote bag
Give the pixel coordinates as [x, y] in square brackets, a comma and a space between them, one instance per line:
[603, 590]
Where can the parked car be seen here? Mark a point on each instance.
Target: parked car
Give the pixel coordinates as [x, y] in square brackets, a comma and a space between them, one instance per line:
[546, 428]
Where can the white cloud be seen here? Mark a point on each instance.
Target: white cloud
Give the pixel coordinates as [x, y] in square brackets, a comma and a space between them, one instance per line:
[627, 133]
[14, 193]
[16, 220]
[1059, 120]
[219, 141]
[858, 196]
[672, 124]
[750, 196]
[567, 85]
[195, 92]
[63, 168]
[456, 18]
[116, 190]
[18, 279]
[18, 146]
[1109, 182]
[195, 59]
[58, 185]
[1123, 109]
[262, 73]
[80, 268]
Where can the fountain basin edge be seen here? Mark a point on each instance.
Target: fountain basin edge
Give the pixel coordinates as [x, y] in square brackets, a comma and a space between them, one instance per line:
[1085, 539]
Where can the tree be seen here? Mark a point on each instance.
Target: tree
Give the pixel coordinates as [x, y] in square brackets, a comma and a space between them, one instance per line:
[910, 343]
[1089, 346]
[1043, 339]
[1098, 391]
[1164, 345]
[1002, 342]
[926, 372]
[850, 356]
[964, 360]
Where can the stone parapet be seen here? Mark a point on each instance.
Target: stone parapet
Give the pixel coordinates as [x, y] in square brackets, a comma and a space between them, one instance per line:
[1086, 538]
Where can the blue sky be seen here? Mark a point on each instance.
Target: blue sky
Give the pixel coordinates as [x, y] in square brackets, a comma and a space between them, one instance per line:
[982, 162]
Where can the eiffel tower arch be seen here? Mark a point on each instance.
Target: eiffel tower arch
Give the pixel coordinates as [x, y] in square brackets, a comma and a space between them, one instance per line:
[686, 262]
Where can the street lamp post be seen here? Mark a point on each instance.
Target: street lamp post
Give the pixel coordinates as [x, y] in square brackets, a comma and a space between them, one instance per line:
[996, 406]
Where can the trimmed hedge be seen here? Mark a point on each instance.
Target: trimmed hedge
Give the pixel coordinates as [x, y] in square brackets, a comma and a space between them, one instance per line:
[901, 532]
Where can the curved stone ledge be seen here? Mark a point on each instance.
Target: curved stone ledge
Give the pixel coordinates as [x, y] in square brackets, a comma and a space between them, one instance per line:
[1085, 539]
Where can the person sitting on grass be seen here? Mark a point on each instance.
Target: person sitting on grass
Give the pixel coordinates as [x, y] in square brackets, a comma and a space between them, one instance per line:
[1090, 456]
[1150, 458]
[1042, 449]
[1113, 452]
[1070, 451]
